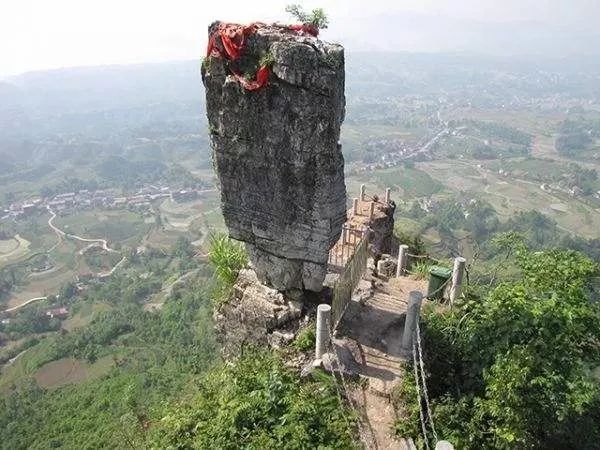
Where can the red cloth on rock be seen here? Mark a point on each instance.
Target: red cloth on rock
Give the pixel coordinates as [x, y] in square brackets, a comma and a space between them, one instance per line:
[262, 78]
[306, 28]
[233, 37]
[230, 45]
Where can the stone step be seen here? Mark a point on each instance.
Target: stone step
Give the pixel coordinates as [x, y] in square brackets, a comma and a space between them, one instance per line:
[387, 362]
[387, 302]
[382, 388]
[387, 305]
[388, 298]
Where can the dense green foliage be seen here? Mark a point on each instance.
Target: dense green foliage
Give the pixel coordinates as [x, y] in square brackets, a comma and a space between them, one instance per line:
[30, 321]
[316, 17]
[154, 356]
[576, 136]
[476, 216]
[515, 369]
[416, 246]
[258, 403]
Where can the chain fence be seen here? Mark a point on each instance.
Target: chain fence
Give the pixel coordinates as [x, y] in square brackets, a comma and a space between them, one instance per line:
[425, 415]
[365, 432]
[413, 259]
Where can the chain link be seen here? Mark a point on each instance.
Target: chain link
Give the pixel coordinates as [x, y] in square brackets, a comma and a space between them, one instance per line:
[425, 393]
[421, 415]
[441, 288]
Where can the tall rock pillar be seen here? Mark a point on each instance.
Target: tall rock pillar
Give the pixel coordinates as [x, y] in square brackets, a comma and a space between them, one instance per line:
[277, 155]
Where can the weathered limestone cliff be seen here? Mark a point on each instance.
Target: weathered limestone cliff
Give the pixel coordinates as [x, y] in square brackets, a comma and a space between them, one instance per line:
[255, 315]
[277, 155]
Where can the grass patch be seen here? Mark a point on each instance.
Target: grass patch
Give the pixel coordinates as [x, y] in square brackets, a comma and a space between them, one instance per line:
[227, 257]
[114, 226]
[306, 338]
[421, 270]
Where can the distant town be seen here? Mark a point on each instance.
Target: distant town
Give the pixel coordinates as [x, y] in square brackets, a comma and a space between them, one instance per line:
[84, 199]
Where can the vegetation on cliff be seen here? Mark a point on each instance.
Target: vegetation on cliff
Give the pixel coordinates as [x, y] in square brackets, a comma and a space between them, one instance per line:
[258, 403]
[150, 357]
[517, 367]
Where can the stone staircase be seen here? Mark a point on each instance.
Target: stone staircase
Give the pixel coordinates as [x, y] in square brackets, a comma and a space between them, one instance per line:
[374, 322]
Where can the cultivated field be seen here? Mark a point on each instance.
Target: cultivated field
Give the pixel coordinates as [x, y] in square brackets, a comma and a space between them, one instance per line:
[405, 183]
[86, 313]
[66, 371]
[509, 195]
[13, 249]
[115, 226]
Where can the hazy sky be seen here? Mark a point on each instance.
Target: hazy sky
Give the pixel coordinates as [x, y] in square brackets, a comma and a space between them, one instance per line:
[43, 34]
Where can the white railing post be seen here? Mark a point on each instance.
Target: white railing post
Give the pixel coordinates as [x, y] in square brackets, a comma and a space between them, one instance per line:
[457, 278]
[388, 195]
[412, 316]
[362, 192]
[355, 206]
[402, 260]
[322, 332]
[372, 211]
[444, 445]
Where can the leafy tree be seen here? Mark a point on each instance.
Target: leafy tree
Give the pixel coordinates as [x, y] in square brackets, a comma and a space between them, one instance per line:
[540, 230]
[481, 220]
[414, 241]
[515, 369]
[67, 291]
[316, 17]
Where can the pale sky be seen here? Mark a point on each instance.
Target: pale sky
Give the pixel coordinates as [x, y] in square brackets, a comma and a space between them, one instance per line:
[46, 34]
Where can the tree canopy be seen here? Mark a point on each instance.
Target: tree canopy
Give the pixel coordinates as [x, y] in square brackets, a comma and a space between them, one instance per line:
[519, 367]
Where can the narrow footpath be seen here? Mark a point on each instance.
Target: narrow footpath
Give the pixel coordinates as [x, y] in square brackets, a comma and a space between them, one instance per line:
[374, 325]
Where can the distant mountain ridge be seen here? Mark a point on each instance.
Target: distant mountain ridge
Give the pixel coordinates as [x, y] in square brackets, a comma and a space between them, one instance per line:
[113, 104]
[85, 89]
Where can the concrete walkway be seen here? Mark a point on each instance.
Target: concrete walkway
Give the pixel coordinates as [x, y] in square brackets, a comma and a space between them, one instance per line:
[373, 324]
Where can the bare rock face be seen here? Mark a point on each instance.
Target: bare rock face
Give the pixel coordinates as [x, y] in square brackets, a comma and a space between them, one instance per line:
[255, 314]
[277, 155]
[381, 234]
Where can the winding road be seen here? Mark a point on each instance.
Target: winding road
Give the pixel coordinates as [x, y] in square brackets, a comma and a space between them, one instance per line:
[31, 300]
[62, 234]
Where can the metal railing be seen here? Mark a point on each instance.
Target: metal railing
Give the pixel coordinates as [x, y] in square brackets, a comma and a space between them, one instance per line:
[353, 270]
[344, 248]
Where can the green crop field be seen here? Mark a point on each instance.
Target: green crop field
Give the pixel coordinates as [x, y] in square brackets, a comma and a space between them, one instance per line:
[509, 195]
[114, 226]
[405, 183]
[13, 249]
